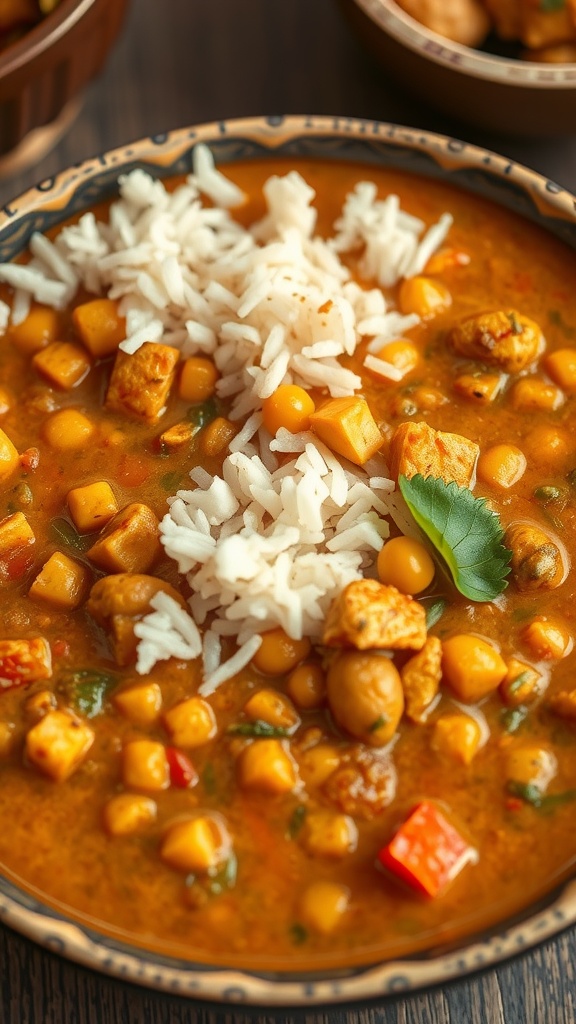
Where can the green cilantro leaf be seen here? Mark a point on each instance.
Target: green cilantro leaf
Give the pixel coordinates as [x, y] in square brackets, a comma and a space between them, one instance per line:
[464, 531]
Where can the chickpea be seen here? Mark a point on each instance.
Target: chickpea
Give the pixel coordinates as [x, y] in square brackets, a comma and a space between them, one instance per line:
[365, 696]
[198, 379]
[423, 296]
[502, 465]
[306, 686]
[290, 407]
[279, 653]
[405, 563]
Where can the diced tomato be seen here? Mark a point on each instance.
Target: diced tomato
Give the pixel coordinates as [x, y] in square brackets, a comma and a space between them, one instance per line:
[427, 852]
[182, 772]
[23, 661]
[30, 459]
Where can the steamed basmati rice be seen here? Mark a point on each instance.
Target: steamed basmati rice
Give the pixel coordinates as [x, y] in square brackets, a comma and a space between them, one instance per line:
[287, 525]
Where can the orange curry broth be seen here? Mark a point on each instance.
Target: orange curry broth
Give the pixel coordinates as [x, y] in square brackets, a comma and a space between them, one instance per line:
[51, 836]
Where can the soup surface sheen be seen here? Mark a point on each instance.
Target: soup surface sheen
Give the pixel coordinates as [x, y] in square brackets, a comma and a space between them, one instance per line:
[296, 878]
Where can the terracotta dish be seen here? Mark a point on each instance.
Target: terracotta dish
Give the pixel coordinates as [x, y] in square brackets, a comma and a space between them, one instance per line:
[499, 93]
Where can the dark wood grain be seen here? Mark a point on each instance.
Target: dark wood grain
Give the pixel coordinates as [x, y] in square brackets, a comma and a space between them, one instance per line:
[183, 62]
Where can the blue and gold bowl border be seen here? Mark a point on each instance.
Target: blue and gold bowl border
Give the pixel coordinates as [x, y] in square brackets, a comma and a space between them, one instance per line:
[332, 138]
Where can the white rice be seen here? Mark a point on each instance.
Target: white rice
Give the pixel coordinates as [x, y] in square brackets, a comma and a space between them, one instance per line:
[288, 524]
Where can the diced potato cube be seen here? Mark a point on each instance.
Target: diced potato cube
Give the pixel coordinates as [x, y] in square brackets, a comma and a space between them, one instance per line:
[130, 541]
[58, 744]
[36, 331]
[458, 736]
[323, 904]
[266, 765]
[92, 506]
[329, 835]
[62, 582]
[99, 326]
[272, 707]
[140, 383]
[62, 363]
[197, 845]
[318, 764]
[23, 661]
[145, 765]
[418, 448]
[191, 723]
[140, 703]
[15, 533]
[128, 813]
[9, 458]
[347, 427]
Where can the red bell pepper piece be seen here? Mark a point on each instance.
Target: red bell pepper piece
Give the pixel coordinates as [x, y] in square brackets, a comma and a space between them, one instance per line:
[24, 661]
[182, 772]
[427, 852]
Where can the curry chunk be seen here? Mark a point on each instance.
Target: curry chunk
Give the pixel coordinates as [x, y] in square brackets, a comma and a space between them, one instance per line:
[368, 614]
[15, 534]
[502, 338]
[61, 582]
[458, 737]
[91, 506]
[58, 744]
[140, 383]
[267, 766]
[418, 448]
[537, 561]
[347, 427]
[421, 677]
[117, 602]
[363, 784]
[145, 765]
[199, 844]
[365, 696]
[23, 661]
[99, 326]
[326, 834]
[191, 723]
[63, 364]
[129, 543]
[128, 813]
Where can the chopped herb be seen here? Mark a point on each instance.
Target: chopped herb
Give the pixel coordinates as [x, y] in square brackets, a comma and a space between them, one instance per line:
[170, 481]
[296, 821]
[209, 779]
[225, 877]
[464, 531]
[298, 933]
[516, 327]
[534, 796]
[86, 689]
[257, 728]
[201, 415]
[551, 5]
[548, 493]
[378, 723]
[519, 681]
[512, 718]
[435, 612]
[65, 533]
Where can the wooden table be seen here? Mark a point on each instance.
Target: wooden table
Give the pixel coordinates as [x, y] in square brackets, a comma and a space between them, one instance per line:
[184, 62]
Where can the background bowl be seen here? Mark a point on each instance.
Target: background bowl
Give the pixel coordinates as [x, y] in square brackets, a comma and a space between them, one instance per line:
[42, 76]
[371, 144]
[501, 94]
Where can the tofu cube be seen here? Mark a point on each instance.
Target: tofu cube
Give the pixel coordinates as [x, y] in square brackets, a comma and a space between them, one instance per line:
[15, 533]
[58, 744]
[129, 543]
[63, 364]
[140, 383]
[92, 506]
[347, 427]
[24, 661]
[61, 582]
[99, 326]
[418, 448]
[9, 458]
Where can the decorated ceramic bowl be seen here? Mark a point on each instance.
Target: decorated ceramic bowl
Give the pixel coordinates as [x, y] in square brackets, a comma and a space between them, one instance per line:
[496, 92]
[436, 938]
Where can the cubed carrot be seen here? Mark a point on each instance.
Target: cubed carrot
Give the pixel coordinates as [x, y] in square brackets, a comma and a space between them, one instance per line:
[347, 426]
[61, 582]
[37, 330]
[99, 326]
[427, 851]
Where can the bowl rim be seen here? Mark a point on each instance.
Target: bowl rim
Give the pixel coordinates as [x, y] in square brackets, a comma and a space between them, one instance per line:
[42, 36]
[338, 138]
[402, 27]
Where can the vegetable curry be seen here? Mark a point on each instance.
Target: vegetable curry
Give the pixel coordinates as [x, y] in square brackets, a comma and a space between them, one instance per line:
[406, 781]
